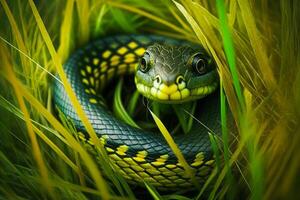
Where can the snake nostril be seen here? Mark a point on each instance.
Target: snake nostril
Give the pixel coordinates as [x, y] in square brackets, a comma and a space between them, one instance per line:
[179, 79]
[157, 79]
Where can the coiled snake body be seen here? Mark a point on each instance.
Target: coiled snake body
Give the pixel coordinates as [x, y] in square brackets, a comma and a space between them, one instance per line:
[171, 71]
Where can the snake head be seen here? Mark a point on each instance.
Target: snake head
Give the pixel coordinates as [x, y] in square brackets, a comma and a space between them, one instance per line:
[176, 74]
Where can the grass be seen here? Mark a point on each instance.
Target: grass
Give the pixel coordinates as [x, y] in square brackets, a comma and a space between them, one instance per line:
[254, 44]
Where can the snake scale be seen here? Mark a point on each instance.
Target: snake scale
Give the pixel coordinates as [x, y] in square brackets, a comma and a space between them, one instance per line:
[164, 72]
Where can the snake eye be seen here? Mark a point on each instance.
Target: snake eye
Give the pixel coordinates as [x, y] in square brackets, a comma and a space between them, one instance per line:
[144, 63]
[199, 64]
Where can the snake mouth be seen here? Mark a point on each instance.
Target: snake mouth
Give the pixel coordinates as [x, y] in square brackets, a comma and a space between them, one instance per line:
[174, 93]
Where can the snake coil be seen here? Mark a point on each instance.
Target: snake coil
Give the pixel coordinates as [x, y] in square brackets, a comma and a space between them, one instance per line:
[137, 154]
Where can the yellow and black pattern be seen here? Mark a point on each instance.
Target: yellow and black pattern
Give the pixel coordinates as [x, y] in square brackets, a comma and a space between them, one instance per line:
[97, 68]
[158, 172]
[138, 155]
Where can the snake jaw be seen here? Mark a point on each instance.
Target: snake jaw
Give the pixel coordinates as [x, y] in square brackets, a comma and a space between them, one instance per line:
[174, 93]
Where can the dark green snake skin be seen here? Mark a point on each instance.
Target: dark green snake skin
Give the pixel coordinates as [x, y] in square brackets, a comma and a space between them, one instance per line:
[117, 133]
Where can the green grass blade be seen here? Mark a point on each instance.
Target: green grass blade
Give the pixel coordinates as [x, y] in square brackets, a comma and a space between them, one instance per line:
[133, 103]
[98, 24]
[123, 20]
[175, 197]
[184, 114]
[229, 51]
[119, 109]
[225, 138]
[215, 149]
[153, 191]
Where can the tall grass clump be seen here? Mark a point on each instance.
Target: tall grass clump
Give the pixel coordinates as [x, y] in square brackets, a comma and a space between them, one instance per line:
[255, 45]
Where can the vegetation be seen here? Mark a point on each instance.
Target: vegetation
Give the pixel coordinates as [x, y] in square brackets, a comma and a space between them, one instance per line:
[255, 44]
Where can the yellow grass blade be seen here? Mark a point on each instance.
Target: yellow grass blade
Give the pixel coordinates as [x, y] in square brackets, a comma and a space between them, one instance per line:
[178, 18]
[84, 28]
[189, 171]
[257, 43]
[55, 148]
[62, 75]
[21, 91]
[90, 164]
[213, 47]
[148, 15]
[196, 28]
[35, 146]
[201, 35]
[69, 91]
[66, 31]
[16, 33]
[68, 185]
[14, 110]
[30, 59]
[232, 12]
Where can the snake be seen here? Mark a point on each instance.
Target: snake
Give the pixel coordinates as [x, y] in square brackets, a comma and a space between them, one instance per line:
[167, 70]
